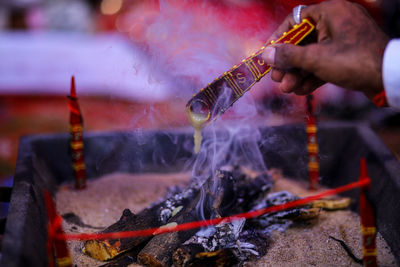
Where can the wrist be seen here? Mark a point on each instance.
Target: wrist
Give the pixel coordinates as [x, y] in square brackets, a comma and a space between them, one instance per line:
[391, 72]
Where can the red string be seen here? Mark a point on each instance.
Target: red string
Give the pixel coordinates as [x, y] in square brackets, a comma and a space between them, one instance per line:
[191, 225]
[380, 99]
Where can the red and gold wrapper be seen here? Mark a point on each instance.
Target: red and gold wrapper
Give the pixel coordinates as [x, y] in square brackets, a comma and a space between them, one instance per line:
[76, 141]
[238, 80]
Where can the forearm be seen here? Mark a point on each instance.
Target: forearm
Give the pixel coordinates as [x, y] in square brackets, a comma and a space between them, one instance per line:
[391, 72]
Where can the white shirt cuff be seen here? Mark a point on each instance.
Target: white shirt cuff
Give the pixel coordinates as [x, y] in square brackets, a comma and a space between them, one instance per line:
[391, 72]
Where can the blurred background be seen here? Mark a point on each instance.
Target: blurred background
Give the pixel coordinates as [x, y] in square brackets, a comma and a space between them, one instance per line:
[137, 63]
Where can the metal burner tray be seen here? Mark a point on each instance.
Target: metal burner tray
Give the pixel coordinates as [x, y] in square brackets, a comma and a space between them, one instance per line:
[43, 163]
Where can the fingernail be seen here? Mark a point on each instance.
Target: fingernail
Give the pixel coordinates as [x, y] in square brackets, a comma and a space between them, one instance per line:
[269, 55]
[283, 86]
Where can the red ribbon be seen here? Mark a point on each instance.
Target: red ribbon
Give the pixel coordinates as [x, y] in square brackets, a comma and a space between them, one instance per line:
[191, 225]
[380, 100]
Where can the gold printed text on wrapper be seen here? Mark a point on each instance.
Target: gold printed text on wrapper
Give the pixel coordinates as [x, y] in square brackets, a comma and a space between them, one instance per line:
[207, 104]
[241, 77]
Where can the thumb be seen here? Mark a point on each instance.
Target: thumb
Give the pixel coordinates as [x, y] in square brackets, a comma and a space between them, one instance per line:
[287, 56]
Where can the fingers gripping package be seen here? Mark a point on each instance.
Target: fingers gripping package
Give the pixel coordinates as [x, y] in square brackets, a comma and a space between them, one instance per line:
[219, 95]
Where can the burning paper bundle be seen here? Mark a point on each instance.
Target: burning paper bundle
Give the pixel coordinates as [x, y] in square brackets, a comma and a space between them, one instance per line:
[229, 191]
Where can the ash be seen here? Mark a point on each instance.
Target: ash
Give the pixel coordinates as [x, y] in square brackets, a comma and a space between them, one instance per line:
[221, 236]
[176, 198]
[248, 239]
[277, 221]
[231, 236]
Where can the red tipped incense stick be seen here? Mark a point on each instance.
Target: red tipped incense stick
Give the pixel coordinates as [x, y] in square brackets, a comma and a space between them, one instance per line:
[368, 229]
[54, 227]
[76, 142]
[312, 145]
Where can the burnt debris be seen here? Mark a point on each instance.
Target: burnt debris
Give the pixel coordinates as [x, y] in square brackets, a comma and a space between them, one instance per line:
[229, 191]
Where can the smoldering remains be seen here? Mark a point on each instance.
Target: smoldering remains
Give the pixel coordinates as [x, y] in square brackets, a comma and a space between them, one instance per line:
[223, 194]
[227, 244]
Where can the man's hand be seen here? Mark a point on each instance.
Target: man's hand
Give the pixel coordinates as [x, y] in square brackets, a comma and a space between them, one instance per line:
[348, 51]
